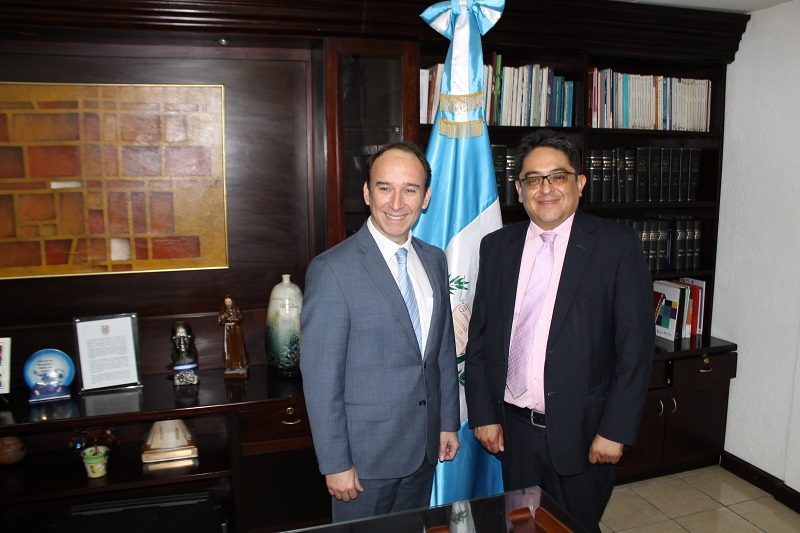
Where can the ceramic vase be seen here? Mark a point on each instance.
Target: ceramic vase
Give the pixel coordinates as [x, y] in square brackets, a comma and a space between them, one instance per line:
[283, 327]
[95, 459]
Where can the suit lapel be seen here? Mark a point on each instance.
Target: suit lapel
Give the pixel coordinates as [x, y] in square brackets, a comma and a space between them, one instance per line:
[511, 257]
[378, 270]
[579, 249]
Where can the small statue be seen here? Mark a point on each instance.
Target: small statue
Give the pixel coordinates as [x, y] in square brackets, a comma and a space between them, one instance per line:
[184, 355]
[235, 357]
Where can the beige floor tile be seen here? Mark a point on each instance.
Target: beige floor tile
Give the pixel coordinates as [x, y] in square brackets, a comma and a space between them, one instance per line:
[626, 509]
[697, 471]
[676, 498]
[769, 515]
[605, 529]
[668, 526]
[720, 520]
[725, 487]
[650, 481]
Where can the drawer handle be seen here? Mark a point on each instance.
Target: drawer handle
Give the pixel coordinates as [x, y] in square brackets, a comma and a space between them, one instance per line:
[660, 407]
[706, 370]
[674, 405]
[290, 412]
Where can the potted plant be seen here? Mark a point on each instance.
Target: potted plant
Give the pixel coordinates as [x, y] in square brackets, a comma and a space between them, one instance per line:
[92, 444]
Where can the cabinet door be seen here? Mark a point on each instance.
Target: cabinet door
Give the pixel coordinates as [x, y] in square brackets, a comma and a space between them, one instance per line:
[646, 454]
[695, 428]
[372, 99]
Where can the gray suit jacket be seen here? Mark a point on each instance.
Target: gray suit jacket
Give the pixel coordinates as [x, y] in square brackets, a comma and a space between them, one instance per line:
[372, 401]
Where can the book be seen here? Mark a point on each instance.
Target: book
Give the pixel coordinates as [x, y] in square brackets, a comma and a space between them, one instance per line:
[642, 175]
[701, 285]
[675, 174]
[169, 465]
[669, 316]
[510, 196]
[424, 86]
[694, 174]
[658, 303]
[661, 244]
[694, 316]
[594, 175]
[666, 176]
[677, 297]
[683, 180]
[654, 163]
[630, 175]
[619, 175]
[608, 175]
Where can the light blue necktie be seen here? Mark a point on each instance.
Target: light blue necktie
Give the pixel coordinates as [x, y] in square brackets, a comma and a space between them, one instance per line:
[408, 293]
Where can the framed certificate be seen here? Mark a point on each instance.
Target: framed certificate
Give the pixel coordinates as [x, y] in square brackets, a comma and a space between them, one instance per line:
[108, 348]
[5, 365]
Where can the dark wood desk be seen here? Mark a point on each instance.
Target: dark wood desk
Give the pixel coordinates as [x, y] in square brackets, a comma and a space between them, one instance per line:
[521, 511]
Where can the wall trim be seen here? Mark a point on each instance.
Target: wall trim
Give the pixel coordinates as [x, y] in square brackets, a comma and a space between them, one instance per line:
[766, 482]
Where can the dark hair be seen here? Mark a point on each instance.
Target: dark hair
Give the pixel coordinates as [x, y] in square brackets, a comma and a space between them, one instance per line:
[544, 138]
[405, 146]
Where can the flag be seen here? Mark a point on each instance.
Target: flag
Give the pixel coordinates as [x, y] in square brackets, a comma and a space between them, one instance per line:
[464, 207]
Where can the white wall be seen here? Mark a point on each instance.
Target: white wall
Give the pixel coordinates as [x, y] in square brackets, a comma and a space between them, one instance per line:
[757, 296]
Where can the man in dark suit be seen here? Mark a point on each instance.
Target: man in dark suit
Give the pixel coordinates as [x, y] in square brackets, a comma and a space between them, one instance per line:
[557, 367]
[378, 351]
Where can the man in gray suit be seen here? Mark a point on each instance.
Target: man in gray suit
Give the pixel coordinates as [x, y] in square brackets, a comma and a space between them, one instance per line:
[377, 350]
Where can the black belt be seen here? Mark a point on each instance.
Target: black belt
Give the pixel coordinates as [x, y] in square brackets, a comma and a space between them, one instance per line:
[537, 418]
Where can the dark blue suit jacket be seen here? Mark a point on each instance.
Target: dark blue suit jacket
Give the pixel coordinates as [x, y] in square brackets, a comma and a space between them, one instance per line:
[601, 342]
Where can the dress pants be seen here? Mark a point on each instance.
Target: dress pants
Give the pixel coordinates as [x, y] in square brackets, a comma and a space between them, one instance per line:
[526, 462]
[384, 496]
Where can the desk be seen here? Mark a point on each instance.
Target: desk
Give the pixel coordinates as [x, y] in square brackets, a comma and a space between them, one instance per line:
[512, 511]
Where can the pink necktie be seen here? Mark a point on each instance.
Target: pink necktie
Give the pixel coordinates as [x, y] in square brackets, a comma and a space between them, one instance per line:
[522, 340]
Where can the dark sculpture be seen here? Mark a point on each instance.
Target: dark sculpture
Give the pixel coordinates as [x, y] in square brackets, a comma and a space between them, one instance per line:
[184, 355]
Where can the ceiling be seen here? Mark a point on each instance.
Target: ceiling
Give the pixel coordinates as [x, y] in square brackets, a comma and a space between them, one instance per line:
[733, 6]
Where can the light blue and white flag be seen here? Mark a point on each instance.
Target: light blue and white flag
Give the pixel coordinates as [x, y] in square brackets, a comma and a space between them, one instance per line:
[464, 207]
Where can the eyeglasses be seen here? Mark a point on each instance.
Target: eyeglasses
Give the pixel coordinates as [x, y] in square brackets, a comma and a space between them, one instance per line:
[556, 178]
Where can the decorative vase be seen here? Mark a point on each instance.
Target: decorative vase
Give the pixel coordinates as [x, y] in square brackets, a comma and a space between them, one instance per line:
[283, 327]
[95, 459]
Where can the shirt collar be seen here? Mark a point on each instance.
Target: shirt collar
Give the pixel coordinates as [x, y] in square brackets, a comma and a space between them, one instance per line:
[386, 245]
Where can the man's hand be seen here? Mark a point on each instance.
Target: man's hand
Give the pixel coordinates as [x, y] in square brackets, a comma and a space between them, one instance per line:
[344, 485]
[448, 445]
[604, 451]
[491, 437]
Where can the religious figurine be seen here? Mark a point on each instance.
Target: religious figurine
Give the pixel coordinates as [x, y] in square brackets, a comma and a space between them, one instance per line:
[230, 316]
[184, 355]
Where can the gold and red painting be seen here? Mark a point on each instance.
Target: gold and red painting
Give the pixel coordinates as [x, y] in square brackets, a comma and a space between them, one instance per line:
[111, 178]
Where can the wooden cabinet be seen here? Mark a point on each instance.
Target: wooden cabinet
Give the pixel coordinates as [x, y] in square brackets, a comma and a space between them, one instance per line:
[254, 445]
[684, 418]
[371, 94]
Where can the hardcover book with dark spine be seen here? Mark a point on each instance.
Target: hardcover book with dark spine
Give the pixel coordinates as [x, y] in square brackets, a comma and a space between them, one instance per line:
[594, 175]
[666, 177]
[630, 175]
[675, 174]
[619, 174]
[694, 173]
[652, 252]
[661, 244]
[499, 161]
[510, 196]
[683, 189]
[642, 175]
[654, 162]
[608, 176]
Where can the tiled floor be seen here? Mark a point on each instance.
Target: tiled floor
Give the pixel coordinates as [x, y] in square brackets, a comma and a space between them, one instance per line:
[708, 500]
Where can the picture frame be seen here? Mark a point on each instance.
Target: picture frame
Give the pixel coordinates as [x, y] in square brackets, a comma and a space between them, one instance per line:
[108, 352]
[5, 365]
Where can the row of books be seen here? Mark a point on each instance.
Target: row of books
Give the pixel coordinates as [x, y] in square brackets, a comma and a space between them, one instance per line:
[670, 243]
[678, 307]
[530, 95]
[642, 174]
[652, 102]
